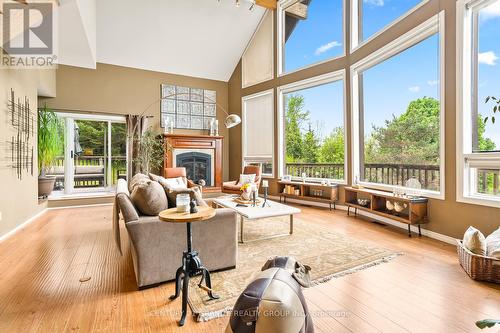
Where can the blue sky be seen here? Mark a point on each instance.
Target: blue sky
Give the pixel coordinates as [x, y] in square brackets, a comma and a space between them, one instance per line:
[379, 13]
[390, 86]
[306, 45]
[326, 106]
[489, 65]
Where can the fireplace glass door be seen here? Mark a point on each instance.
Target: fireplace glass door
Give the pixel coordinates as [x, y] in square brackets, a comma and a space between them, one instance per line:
[198, 166]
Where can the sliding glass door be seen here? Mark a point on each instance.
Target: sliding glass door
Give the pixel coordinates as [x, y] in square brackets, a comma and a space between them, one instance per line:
[95, 153]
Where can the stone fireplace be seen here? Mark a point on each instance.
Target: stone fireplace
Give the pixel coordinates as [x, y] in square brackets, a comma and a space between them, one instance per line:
[201, 155]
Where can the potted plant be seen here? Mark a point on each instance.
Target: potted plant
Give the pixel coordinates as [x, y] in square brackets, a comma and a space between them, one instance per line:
[487, 323]
[150, 152]
[49, 145]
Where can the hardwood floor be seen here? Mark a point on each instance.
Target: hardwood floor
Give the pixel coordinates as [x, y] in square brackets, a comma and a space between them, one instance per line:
[424, 290]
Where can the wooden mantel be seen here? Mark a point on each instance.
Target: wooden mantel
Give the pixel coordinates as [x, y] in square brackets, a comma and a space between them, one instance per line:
[186, 141]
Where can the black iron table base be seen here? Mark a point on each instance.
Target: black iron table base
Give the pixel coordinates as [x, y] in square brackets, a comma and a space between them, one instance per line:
[191, 267]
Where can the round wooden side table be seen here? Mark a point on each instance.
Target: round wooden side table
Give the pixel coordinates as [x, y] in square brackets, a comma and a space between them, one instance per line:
[191, 263]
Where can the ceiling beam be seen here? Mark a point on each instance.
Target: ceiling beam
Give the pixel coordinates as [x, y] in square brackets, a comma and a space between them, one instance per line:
[269, 4]
[298, 10]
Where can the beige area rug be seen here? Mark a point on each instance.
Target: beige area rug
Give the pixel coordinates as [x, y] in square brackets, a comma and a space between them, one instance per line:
[328, 253]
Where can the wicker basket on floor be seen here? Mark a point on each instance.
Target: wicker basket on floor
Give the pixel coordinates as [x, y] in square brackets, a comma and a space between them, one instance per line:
[478, 267]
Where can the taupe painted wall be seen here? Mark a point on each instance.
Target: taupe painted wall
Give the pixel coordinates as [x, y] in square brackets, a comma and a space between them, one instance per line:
[19, 198]
[257, 61]
[120, 90]
[447, 216]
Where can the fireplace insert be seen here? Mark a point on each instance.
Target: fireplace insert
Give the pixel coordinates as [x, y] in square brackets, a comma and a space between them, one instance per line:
[198, 166]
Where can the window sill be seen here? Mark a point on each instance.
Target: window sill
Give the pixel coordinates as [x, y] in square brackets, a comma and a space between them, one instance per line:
[481, 200]
[390, 188]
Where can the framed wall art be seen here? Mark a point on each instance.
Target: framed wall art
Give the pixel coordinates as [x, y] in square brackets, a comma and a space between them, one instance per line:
[187, 108]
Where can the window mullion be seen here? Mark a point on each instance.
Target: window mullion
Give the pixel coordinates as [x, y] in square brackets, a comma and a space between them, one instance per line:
[361, 128]
[474, 86]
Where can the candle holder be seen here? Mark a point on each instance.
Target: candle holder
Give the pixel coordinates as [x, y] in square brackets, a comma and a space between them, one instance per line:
[266, 191]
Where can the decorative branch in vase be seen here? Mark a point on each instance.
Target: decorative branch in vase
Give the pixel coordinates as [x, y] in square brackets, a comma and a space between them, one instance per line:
[150, 153]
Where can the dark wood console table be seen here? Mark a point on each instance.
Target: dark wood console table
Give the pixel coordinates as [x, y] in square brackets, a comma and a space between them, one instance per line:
[310, 192]
[415, 211]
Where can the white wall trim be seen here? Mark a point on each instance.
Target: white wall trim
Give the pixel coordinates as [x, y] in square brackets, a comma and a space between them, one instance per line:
[80, 206]
[414, 229]
[465, 86]
[430, 27]
[88, 116]
[412, 37]
[22, 225]
[313, 81]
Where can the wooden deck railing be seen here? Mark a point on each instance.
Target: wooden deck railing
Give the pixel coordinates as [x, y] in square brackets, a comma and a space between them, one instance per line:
[118, 169]
[392, 174]
[398, 174]
[316, 170]
[488, 181]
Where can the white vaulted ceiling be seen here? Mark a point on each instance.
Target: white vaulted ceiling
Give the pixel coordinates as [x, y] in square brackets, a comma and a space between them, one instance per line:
[201, 38]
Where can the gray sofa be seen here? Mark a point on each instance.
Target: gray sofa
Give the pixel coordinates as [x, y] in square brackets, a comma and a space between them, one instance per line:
[157, 246]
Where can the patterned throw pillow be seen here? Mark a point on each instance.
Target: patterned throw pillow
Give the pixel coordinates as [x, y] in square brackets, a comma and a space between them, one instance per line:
[174, 183]
[474, 241]
[245, 179]
[194, 194]
[493, 244]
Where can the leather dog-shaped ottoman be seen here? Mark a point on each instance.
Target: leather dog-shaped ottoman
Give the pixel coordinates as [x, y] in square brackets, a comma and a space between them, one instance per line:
[273, 302]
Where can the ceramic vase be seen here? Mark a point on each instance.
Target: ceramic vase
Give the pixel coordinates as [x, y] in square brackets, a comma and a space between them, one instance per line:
[246, 194]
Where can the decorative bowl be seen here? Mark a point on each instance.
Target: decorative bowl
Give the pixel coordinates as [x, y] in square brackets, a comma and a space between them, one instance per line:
[389, 205]
[363, 202]
[400, 206]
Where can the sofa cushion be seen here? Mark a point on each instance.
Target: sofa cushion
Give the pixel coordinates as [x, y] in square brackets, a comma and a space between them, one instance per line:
[149, 197]
[194, 193]
[493, 244]
[137, 179]
[154, 177]
[474, 241]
